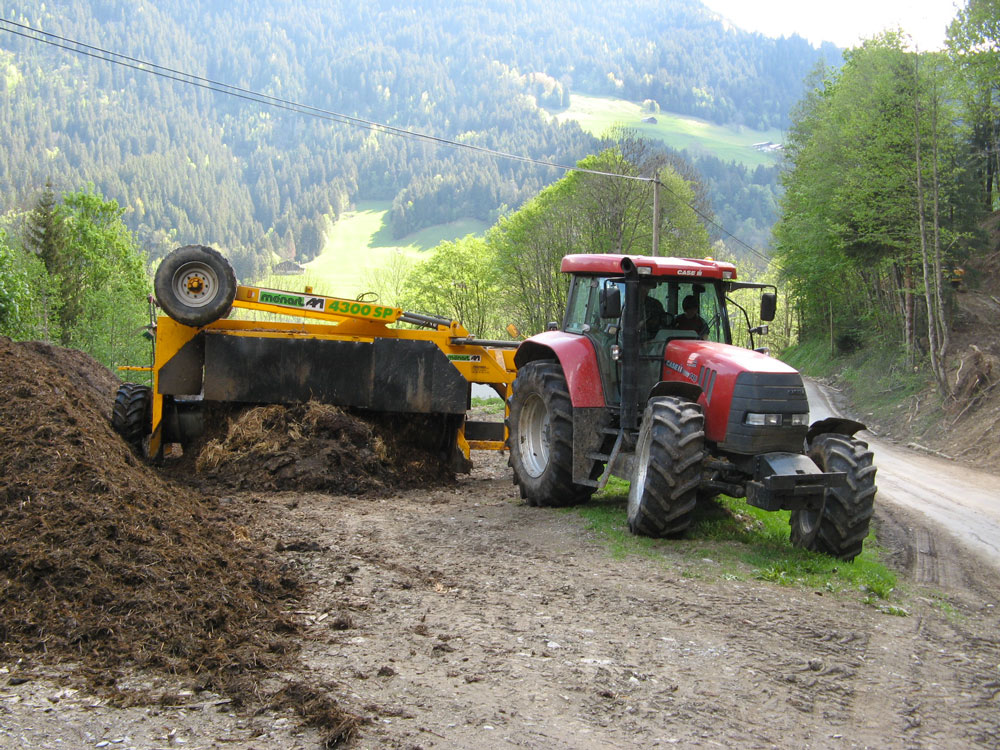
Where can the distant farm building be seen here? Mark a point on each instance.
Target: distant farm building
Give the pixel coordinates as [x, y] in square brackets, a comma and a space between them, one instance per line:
[288, 268]
[649, 120]
[766, 146]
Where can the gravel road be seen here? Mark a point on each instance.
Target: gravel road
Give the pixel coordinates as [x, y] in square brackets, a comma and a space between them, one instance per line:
[951, 499]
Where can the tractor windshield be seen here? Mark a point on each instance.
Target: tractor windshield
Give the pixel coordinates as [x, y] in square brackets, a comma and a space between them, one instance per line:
[666, 306]
[686, 306]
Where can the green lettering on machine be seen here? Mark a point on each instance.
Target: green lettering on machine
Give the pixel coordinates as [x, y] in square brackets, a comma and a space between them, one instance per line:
[287, 300]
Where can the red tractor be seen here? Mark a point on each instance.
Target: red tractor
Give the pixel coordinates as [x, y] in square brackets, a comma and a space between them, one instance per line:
[642, 381]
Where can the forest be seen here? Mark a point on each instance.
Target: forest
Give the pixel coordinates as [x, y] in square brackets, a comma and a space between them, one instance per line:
[891, 161]
[892, 171]
[187, 164]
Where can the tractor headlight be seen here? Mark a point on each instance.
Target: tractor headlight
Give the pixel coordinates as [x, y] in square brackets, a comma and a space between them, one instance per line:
[762, 420]
[775, 420]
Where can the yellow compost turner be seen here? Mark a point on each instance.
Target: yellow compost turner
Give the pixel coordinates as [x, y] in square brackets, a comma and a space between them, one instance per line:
[338, 351]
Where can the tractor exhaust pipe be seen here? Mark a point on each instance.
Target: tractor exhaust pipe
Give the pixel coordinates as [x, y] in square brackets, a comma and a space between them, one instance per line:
[630, 347]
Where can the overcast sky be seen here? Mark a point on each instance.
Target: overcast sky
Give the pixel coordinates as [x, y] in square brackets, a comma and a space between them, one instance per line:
[843, 22]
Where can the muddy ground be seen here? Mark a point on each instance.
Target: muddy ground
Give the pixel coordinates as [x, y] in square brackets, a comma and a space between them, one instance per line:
[445, 615]
[458, 617]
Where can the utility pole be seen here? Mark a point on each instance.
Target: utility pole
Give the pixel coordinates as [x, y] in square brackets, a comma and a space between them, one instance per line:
[656, 216]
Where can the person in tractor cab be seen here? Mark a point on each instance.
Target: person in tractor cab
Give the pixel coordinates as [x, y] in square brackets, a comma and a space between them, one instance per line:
[654, 317]
[690, 320]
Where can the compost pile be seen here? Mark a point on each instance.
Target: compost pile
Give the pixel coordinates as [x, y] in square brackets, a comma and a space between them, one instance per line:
[319, 447]
[108, 564]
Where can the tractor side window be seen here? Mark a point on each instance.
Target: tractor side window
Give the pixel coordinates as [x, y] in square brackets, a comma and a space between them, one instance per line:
[715, 317]
[580, 293]
[712, 314]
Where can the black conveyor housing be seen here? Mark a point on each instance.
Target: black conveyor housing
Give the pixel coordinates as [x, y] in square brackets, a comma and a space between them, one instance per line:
[386, 375]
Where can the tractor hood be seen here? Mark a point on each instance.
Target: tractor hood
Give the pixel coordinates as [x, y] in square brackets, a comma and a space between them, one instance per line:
[734, 382]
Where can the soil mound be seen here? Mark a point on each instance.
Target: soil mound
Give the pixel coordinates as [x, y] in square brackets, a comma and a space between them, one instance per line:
[319, 447]
[971, 426]
[105, 562]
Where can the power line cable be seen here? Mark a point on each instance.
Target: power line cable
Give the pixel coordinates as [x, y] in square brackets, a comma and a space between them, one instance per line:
[721, 228]
[145, 66]
[220, 87]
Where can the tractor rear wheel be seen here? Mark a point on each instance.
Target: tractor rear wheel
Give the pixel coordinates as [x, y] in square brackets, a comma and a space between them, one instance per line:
[195, 285]
[840, 526]
[541, 436]
[667, 467]
[132, 416]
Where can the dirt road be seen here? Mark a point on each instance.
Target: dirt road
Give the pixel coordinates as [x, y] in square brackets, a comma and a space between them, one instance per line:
[950, 498]
[481, 622]
[458, 617]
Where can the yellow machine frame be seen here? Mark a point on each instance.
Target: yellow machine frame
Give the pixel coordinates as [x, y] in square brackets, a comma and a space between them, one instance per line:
[336, 319]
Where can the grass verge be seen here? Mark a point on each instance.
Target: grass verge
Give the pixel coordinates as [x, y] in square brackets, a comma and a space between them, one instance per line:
[732, 540]
[875, 376]
[488, 405]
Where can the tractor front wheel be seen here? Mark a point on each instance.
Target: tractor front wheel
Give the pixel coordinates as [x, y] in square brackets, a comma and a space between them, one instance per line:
[540, 426]
[667, 467]
[195, 285]
[840, 525]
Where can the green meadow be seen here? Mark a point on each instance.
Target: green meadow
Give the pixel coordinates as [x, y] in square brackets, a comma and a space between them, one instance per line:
[361, 242]
[598, 114]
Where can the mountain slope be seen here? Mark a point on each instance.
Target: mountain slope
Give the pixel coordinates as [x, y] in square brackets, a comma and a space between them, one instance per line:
[193, 165]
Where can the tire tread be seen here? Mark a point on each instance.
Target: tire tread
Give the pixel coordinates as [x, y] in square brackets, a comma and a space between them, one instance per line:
[668, 496]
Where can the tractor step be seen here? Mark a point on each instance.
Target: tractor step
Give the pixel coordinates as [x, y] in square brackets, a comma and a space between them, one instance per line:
[607, 432]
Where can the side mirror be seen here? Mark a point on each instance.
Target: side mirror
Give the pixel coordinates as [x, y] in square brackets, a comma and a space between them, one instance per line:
[768, 305]
[611, 302]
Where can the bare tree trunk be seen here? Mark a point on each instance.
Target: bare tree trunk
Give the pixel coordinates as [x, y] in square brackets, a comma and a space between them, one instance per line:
[941, 319]
[922, 225]
[895, 300]
[991, 153]
[908, 337]
[833, 349]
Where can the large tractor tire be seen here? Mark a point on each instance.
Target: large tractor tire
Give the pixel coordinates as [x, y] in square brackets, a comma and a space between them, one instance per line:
[840, 526]
[541, 437]
[667, 467]
[195, 285]
[132, 416]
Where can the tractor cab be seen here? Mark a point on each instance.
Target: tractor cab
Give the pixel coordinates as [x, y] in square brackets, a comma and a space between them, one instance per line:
[642, 319]
[595, 311]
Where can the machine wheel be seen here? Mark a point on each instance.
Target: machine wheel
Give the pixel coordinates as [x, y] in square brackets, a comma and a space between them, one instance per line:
[840, 526]
[667, 467]
[132, 417]
[195, 285]
[541, 436]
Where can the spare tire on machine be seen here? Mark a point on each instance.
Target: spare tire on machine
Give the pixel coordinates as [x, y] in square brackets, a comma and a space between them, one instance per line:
[195, 285]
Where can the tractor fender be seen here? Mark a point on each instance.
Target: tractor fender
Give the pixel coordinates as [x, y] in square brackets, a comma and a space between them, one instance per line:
[686, 391]
[576, 356]
[836, 425]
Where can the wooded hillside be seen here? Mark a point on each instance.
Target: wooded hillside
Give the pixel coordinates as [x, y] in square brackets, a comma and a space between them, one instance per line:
[191, 165]
[893, 171]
